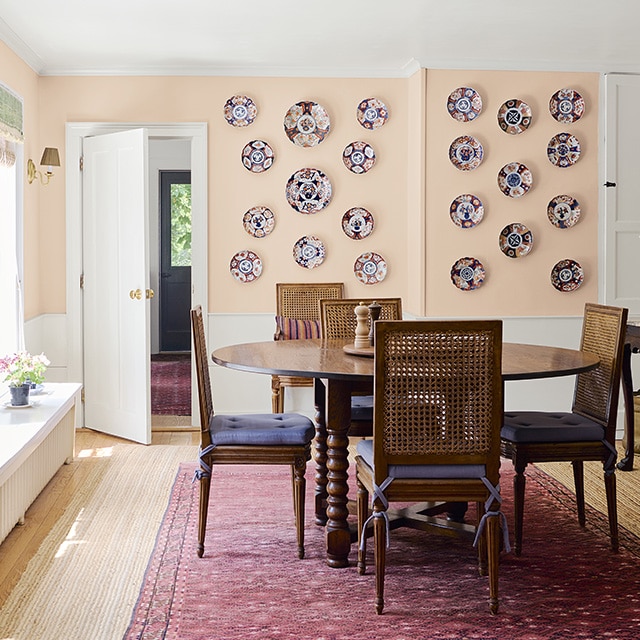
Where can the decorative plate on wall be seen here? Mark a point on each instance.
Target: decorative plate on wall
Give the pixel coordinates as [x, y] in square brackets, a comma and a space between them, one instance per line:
[567, 275]
[257, 156]
[307, 124]
[466, 211]
[515, 240]
[514, 116]
[259, 221]
[563, 150]
[466, 153]
[467, 274]
[308, 190]
[372, 113]
[309, 252]
[566, 105]
[563, 211]
[357, 223]
[464, 104]
[240, 111]
[359, 157]
[370, 268]
[245, 266]
[514, 179]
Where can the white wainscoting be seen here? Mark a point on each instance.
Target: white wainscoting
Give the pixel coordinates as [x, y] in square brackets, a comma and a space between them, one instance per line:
[238, 392]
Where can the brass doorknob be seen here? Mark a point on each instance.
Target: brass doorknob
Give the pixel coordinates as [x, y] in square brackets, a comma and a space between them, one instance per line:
[135, 294]
[150, 293]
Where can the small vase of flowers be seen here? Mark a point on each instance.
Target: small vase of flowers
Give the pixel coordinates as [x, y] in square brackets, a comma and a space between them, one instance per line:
[22, 371]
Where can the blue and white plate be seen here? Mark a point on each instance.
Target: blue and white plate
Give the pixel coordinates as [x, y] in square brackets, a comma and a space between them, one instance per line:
[515, 240]
[307, 124]
[567, 275]
[563, 150]
[309, 252]
[466, 153]
[464, 104]
[370, 268]
[259, 221]
[566, 105]
[308, 190]
[466, 211]
[372, 113]
[257, 156]
[563, 211]
[467, 274]
[514, 116]
[359, 157]
[240, 111]
[514, 179]
[357, 223]
[246, 266]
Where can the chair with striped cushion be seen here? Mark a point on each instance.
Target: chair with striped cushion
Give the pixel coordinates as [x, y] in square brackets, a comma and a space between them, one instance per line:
[281, 438]
[297, 318]
[587, 432]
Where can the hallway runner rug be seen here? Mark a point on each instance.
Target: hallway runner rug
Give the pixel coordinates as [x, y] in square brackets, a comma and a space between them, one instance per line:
[250, 585]
[171, 384]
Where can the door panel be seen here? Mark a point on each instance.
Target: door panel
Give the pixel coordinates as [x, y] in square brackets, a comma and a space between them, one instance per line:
[115, 307]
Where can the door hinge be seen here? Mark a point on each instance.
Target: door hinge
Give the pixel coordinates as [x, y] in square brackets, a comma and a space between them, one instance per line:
[82, 280]
[81, 163]
[82, 394]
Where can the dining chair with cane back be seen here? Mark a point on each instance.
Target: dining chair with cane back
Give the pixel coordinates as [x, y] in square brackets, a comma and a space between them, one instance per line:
[297, 318]
[436, 432]
[338, 321]
[587, 432]
[246, 439]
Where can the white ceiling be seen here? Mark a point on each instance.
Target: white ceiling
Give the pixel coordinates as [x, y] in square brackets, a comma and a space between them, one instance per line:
[370, 38]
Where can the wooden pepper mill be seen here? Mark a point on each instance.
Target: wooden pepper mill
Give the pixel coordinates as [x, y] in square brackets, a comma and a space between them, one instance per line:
[362, 326]
[374, 314]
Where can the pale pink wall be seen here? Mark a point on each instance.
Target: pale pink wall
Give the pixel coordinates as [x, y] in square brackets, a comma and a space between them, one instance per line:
[520, 286]
[21, 79]
[233, 189]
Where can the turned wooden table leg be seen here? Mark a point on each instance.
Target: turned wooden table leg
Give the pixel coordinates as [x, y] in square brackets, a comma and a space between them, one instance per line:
[626, 464]
[338, 417]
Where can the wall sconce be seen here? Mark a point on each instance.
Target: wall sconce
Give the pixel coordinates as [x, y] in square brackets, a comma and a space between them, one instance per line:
[50, 158]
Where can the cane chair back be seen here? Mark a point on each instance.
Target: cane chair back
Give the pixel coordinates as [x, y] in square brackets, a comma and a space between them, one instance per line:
[585, 433]
[297, 318]
[246, 439]
[338, 318]
[437, 418]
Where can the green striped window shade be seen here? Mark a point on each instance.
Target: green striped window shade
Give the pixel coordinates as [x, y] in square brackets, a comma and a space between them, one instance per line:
[11, 118]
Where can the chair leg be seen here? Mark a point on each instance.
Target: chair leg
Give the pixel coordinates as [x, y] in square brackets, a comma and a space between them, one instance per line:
[205, 485]
[492, 536]
[578, 480]
[612, 509]
[519, 483]
[363, 513]
[482, 543]
[380, 547]
[299, 485]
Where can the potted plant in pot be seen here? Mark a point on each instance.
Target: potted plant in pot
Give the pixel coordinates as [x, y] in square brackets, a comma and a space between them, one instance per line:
[22, 371]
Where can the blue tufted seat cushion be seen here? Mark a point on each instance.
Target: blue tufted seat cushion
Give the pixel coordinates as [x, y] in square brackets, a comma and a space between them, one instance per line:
[423, 471]
[362, 408]
[542, 426]
[261, 429]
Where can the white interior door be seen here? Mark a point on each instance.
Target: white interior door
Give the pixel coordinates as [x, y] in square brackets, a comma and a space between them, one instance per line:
[622, 217]
[116, 285]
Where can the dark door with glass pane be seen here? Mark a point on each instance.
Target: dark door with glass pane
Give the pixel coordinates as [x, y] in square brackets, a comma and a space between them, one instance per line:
[175, 260]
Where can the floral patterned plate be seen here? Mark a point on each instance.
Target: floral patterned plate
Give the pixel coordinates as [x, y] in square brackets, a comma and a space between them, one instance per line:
[464, 104]
[567, 275]
[359, 157]
[259, 221]
[240, 111]
[467, 274]
[466, 211]
[563, 150]
[308, 190]
[566, 105]
[307, 124]
[466, 153]
[514, 116]
[514, 179]
[257, 156]
[357, 223]
[309, 252]
[372, 113]
[370, 268]
[245, 266]
[515, 240]
[563, 211]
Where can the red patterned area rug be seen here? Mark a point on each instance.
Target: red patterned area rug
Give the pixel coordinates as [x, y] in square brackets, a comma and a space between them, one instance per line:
[250, 585]
[171, 384]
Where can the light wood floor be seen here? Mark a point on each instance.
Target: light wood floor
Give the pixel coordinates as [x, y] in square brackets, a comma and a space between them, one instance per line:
[23, 542]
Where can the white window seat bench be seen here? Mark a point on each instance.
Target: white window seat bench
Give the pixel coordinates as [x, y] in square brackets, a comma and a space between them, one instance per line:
[34, 443]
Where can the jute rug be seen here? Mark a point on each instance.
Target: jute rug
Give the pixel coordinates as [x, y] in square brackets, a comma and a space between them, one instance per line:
[83, 582]
[251, 586]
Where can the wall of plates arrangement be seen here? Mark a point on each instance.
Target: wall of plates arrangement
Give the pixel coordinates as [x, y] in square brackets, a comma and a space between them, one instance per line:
[308, 189]
[506, 140]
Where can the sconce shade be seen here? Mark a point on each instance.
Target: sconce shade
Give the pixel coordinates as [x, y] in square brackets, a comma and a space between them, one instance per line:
[50, 157]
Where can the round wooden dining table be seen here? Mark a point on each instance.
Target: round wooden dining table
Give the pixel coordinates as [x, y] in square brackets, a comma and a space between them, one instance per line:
[338, 374]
